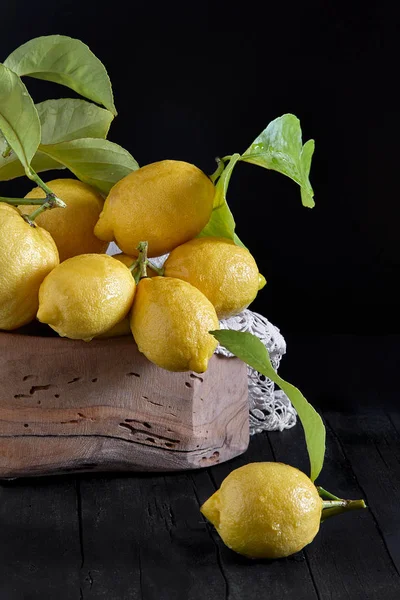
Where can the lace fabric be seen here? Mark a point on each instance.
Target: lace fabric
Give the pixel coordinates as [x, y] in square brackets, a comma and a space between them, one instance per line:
[270, 409]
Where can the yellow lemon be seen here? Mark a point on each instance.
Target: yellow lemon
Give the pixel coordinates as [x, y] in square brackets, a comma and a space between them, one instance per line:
[121, 328]
[265, 510]
[86, 295]
[170, 321]
[27, 254]
[227, 274]
[165, 203]
[71, 227]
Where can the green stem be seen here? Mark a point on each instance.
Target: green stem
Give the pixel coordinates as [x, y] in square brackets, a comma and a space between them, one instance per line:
[134, 265]
[218, 172]
[158, 270]
[325, 495]
[51, 200]
[142, 261]
[22, 201]
[35, 177]
[38, 211]
[331, 508]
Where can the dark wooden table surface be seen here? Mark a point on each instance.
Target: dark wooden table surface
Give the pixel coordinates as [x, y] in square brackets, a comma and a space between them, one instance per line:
[131, 537]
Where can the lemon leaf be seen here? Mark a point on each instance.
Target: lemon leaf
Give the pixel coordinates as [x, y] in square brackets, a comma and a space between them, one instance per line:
[279, 147]
[222, 223]
[61, 120]
[67, 119]
[252, 351]
[19, 120]
[98, 162]
[67, 61]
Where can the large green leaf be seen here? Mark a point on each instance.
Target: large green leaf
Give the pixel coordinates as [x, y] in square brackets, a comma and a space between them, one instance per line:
[279, 147]
[67, 61]
[19, 120]
[99, 163]
[61, 121]
[66, 119]
[252, 351]
[222, 223]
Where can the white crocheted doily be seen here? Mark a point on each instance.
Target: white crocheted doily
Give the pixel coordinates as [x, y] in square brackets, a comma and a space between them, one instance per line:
[270, 409]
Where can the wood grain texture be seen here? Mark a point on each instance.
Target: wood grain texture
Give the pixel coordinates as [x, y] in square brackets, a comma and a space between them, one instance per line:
[68, 406]
[141, 536]
[349, 559]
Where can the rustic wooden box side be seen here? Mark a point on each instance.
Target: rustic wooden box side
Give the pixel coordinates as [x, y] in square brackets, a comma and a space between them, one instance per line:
[69, 406]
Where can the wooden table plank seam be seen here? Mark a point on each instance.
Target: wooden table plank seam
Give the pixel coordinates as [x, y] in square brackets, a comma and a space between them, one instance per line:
[142, 536]
[80, 532]
[211, 532]
[363, 492]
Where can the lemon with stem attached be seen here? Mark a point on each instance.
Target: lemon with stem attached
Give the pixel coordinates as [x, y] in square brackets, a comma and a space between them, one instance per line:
[71, 227]
[270, 510]
[171, 321]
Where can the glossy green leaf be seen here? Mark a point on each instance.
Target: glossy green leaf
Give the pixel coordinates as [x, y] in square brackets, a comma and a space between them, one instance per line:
[222, 223]
[279, 147]
[99, 163]
[19, 120]
[67, 61]
[252, 351]
[61, 120]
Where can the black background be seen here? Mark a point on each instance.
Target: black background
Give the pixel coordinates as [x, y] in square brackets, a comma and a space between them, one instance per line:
[195, 81]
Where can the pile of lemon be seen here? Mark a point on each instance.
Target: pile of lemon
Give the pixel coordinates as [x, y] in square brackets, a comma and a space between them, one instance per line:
[55, 269]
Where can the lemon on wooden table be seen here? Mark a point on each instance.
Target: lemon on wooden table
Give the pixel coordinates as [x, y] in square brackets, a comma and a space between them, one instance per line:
[86, 295]
[166, 203]
[27, 254]
[170, 321]
[265, 510]
[226, 273]
[71, 227]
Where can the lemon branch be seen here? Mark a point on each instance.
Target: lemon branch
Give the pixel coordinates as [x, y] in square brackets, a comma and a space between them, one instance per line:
[220, 167]
[218, 172]
[142, 247]
[134, 266]
[332, 505]
[50, 200]
[139, 267]
[158, 270]
[22, 201]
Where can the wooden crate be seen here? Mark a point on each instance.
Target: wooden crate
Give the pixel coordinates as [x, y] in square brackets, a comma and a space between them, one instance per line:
[71, 406]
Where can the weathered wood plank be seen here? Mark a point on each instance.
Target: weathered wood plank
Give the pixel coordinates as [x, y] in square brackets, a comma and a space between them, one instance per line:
[370, 445]
[39, 540]
[144, 538]
[348, 559]
[68, 406]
